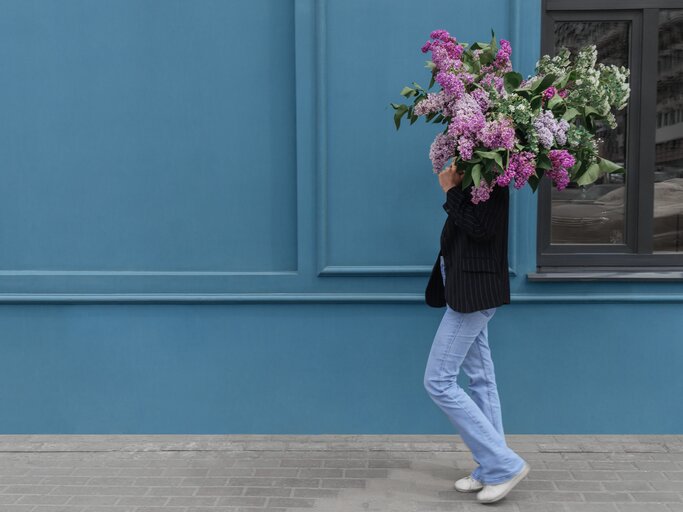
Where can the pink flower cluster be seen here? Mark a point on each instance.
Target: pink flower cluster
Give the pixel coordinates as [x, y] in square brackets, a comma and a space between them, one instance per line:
[561, 161]
[481, 114]
[481, 192]
[520, 167]
[550, 130]
[468, 127]
[551, 91]
[499, 133]
[441, 150]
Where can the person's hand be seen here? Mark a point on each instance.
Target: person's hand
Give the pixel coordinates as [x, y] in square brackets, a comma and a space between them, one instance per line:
[450, 177]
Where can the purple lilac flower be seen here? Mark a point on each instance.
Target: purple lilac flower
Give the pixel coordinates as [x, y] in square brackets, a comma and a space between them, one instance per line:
[520, 167]
[446, 52]
[442, 60]
[440, 34]
[502, 61]
[549, 93]
[548, 129]
[454, 50]
[466, 147]
[561, 132]
[466, 116]
[508, 175]
[563, 93]
[498, 134]
[481, 192]
[561, 158]
[450, 83]
[481, 96]
[526, 167]
[494, 81]
[442, 148]
[561, 161]
[543, 126]
[467, 78]
[560, 177]
[434, 102]
[504, 51]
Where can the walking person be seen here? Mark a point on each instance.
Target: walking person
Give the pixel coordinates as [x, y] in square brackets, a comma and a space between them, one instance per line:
[470, 277]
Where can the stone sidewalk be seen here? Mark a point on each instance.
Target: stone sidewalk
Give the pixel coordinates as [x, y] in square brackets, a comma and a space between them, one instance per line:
[330, 473]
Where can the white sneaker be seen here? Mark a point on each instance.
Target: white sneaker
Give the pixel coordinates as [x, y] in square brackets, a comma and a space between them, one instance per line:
[495, 492]
[468, 484]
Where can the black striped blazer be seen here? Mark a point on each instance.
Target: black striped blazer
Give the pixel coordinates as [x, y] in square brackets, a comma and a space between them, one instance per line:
[474, 244]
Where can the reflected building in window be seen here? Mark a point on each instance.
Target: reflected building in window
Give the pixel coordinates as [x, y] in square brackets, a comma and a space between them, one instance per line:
[668, 172]
[596, 213]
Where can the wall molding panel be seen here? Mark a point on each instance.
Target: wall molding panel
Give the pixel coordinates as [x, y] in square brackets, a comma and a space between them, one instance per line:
[322, 212]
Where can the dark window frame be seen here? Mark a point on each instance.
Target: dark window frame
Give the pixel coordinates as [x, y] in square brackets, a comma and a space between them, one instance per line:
[635, 255]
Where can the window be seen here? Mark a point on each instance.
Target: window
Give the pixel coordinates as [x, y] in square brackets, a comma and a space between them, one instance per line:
[629, 222]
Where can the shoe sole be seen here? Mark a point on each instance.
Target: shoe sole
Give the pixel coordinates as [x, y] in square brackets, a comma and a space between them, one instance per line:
[476, 489]
[513, 481]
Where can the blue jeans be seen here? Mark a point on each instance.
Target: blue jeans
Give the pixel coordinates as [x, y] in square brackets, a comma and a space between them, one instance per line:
[461, 341]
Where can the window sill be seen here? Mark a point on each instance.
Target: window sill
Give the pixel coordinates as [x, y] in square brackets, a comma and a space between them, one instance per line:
[586, 274]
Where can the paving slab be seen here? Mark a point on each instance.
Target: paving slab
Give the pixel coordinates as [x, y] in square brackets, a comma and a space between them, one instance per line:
[330, 473]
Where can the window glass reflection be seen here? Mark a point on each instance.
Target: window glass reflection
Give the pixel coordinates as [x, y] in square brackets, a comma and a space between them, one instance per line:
[595, 213]
[668, 175]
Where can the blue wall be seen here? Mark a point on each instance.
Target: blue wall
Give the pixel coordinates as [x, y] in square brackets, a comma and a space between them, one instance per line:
[208, 224]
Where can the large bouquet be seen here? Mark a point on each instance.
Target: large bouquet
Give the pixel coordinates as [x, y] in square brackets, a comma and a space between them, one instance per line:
[501, 128]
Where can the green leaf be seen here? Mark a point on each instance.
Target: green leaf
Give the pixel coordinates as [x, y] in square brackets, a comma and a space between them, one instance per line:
[476, 174]
[575, 170]
[467, 180]
[471, 64]
[512, 80]
[535, 102]
[591, 174]
[543, 162]
[494, 43]
[533, 182]
[588, 111]
[475, 159]
[607, 166]
[569, 76]
[486, 57]
[492, 155]
[588, 121]
[429, 64]
[400, 111]
[570, 114]
[542, 83]
[432, 81]
[479, 46]
[407, 91]
[554, 101]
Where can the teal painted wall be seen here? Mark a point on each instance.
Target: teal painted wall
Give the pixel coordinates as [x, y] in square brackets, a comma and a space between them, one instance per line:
[208, 224]
[328, 368]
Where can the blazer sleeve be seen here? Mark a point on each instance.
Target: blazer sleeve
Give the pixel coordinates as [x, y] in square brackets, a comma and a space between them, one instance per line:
[480, 221]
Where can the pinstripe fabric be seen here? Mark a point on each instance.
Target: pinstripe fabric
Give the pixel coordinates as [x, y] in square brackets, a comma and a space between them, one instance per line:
[474, 244]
